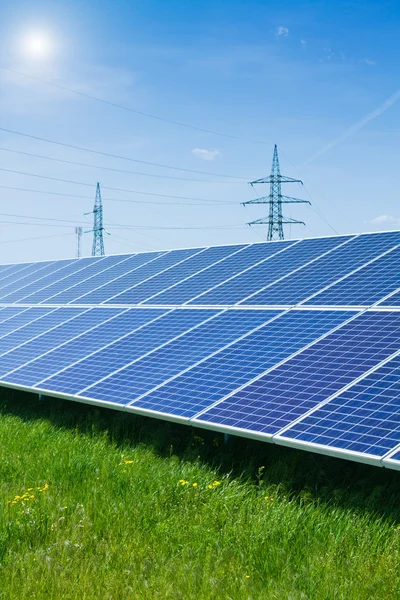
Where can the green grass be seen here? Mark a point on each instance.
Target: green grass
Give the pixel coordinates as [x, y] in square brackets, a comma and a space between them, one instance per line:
[280, 524]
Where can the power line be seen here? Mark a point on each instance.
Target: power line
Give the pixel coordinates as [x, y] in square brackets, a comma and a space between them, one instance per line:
[18, 189]
[80, 164]
[114, 225]
[136, 160]
[29, 239]
[203, 200]
[127, 108]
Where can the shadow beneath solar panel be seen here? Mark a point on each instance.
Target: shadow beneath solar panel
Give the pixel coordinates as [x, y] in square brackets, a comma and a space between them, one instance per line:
[301, 475]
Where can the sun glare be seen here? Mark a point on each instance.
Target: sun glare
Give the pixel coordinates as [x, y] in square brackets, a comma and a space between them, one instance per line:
[37, 46]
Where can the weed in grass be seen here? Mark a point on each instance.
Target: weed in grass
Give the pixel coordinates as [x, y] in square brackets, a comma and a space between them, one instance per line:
[132, 508]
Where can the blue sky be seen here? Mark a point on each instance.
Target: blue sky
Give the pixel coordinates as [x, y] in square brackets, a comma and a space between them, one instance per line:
[319, 79]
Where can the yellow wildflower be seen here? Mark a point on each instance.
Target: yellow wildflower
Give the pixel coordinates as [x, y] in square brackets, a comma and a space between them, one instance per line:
[194, 484]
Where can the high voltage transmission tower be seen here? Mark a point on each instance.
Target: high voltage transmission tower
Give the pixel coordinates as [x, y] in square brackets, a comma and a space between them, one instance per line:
[98, 242]
[275, 219]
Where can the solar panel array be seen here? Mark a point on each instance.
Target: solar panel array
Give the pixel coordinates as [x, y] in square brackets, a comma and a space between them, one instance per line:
[293, 342]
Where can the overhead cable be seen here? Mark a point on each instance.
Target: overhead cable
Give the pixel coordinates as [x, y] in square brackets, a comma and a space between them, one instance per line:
[109, 155]
[132, 110]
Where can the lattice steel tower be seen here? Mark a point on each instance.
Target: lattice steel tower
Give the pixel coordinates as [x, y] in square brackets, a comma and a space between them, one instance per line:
[98, 242]
[275, 219]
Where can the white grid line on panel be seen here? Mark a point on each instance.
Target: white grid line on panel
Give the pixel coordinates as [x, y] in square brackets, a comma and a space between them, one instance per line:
[393, 293]
[241, 272]
[197, 272]
[105, 346]
[349, 274]
[14, 272]
[35, 337]
[158, 273]
[61, 278]
[238, 339]
[6, 268]
[23, 309]
[63, 343]
[283, 361]
[298, 269]
[150, 352]
[46, 311]
[336, 394]
[159, 255]
[3, 289]
[48, 300]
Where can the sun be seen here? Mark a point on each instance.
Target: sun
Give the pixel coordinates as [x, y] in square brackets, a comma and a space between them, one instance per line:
[37, 46]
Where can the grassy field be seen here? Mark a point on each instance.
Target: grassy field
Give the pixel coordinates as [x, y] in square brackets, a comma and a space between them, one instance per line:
[95, 504]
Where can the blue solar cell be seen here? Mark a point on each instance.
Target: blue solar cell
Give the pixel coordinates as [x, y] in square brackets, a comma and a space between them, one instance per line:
[35, 327]
[10, 311]
[83, 288]
[21, 318]
[215, 274]
[367, 286]
[162, 281]
[27, 276]
[240, 287]
[219, 375]
[49, 293]
[365, 418]
[78, 270]
[289, 391]
[15, 290]
[122, 352]
[17, 272]
[68, 322]
[312, 278]
[146, 373]
[122, 322]
[68, 267]
[148, 269]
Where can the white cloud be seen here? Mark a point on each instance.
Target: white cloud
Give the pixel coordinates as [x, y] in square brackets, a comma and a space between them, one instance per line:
[205, 154]
[281, 31]
[303, 42]
[368, 61]
[385, 220]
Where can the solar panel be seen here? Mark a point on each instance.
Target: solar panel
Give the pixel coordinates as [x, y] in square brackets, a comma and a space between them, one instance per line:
[296, 342]
[162, 281]
[179, 354]
[150, 267]
[124, 350]
[198, 283]
[327, 270]
[29, 276]
[274, 400]
[364, 419]
[252, 280]
[217, 376]
[79, 290]
[367, 286]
